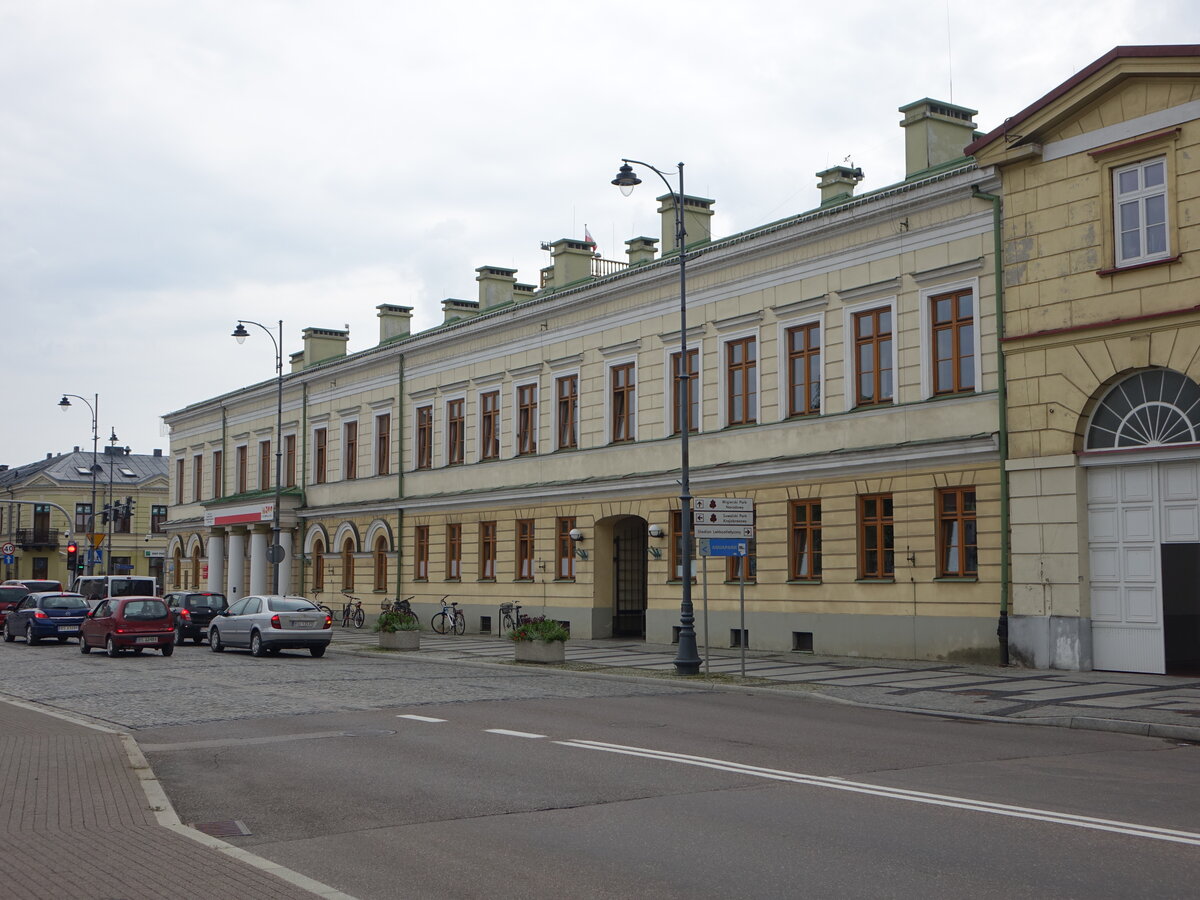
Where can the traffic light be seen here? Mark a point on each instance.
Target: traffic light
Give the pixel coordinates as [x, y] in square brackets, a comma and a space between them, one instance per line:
[72, 556]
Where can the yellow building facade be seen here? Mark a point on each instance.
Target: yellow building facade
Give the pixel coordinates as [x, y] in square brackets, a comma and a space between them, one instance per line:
[845, 380]
[1101, 184]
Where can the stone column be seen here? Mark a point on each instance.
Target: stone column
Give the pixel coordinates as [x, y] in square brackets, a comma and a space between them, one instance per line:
[285, 567]
[216, 562]
[259, 583]
[237, 555]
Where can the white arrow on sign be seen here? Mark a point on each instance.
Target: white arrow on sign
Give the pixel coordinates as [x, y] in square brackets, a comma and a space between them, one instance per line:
[742, 504]
[724, 531]
[722, 517]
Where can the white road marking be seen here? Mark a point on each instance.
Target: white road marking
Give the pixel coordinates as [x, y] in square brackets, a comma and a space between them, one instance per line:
[839, 784]
[520, 734]
[421, 718]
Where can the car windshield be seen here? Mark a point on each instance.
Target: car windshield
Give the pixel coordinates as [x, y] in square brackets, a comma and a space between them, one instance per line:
[215, 602]
[125, 587]
[12, 594]
[43, 586]
[145, 609]
[67, 601]
[289, 604]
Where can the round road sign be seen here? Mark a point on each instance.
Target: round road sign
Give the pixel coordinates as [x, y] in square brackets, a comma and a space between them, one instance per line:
[7, 549]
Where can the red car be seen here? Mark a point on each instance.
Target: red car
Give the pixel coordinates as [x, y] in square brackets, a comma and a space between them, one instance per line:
[128, 623]
[10, 596]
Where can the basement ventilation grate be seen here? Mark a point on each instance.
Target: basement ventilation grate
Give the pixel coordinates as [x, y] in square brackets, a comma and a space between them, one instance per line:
[228, 828]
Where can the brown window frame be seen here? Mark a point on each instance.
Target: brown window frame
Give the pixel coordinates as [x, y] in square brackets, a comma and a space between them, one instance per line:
[318, 565]
[197, 477]
[622, 380]
[741, 382]
[566, 390]
[526, 549]
[487, 550]
[218, 474]
[289, 461]
[693, 357]
[804, 369]
[881, 344]
[383, 444]
[380, 566]
[955, 325]
[424, 437]
[489, 425]
[264, 465]
[158, 518]
[242, 476]
[453, 551]
[804, 540]
[564, 569]
[877, 529]
[83, 517]
[421, 553]
[958, 533]
[348, 564]
[527, 423]
[675, 572]
[179, 470]
[350, 450]
[456, 431]
[320, 455]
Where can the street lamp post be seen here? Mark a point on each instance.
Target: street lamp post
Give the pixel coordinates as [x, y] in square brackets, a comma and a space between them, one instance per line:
[687, 657]
[64, 404]
[275, 554]
[111, 506]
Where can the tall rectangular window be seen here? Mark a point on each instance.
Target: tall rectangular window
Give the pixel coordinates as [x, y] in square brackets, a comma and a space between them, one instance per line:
[566, 389]
[489, 425]
[264, 465]
[179, 480]
[424, 437]
[804, 551]
[804, 369]
[83, 517]
[383, 444]
[1140, 212]
[693, 382]
[289, 461]
[320, 458]
[350, 450]
[218, 474]
[958, 551]
[736, 565]
[676, 538]
[952, 324]
[565, 555]
[873, 356]
[876, 536]
[243, 478]
[453, 551]
[741, 382]
[526, 419]
[525, 550]
[421, 553]
[197, 477]
[622, 385]
[158, 518]
[487, 551]
[455, 432]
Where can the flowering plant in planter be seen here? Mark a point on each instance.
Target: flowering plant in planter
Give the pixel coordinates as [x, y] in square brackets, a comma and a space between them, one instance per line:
[390, 622]
[539, 628]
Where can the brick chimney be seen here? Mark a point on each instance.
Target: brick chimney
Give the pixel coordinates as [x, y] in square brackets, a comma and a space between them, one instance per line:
[934, 133]
[838, 183]
[641, 249]
[495, 286]
[394, 321]
[321, 344]
[697, 213]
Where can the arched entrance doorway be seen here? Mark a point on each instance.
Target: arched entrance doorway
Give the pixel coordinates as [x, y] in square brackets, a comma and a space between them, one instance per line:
[624, 590]
[1144, 524]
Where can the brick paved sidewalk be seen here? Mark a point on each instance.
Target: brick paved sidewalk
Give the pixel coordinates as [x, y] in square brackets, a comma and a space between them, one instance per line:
[83, 817]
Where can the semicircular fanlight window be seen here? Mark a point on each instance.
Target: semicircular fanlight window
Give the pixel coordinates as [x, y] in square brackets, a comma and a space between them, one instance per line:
[1149, 409]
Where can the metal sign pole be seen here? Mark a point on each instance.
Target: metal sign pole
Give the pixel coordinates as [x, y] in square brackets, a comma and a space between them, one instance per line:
[706, 654]
[742, 608]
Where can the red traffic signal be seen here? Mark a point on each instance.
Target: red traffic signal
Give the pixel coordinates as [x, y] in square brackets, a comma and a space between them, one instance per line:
[72, 547]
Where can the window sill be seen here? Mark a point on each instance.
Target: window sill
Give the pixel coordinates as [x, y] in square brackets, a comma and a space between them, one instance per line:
[1116, 270]
[564, 580]
[957, 579]
[803, 581]
[734, 582]
[887, 580]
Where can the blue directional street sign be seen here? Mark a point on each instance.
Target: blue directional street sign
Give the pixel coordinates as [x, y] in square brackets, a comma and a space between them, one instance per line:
[97, 556]
[9, 559]
[726, 547]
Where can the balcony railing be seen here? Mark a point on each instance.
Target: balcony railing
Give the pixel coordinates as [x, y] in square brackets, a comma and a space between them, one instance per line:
[29, 538]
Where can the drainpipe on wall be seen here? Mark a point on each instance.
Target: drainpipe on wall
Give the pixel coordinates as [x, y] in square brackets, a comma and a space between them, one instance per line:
[1005, 538]
[399, 538]
[303, 477]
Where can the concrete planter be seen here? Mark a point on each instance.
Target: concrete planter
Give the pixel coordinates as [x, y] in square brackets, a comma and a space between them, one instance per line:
[400, 640]
[540, 651]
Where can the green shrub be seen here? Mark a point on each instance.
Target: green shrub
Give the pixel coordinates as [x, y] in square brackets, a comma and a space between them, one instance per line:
[539, 629]
[392, 621]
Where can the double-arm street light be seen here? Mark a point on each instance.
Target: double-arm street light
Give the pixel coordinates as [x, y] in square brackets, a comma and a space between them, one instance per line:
[275, 555]
[64, 404]
[687, 658]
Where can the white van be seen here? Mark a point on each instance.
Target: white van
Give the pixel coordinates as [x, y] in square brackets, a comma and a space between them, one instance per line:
[96, 587]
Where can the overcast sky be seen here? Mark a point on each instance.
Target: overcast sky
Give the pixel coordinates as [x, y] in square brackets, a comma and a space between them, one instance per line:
[168, 167]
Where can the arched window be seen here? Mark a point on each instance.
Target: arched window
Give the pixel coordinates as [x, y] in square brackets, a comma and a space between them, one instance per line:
[318, 565]
[196, 567]
[177, 565]
[348, 564]
[1149, 409]
[380, 560]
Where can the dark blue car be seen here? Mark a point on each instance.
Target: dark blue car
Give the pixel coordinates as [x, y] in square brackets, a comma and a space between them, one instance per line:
[52, 614]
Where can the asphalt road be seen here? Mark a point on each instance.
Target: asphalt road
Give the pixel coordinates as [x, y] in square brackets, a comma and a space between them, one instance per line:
[389, 777]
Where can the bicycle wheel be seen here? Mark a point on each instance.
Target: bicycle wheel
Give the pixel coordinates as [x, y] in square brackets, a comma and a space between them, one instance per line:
[507, 623]
[460, 623]
[359, 618]
[438, 623]
[325, 609]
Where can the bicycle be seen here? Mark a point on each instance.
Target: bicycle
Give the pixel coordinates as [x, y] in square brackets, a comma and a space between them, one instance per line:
[352, 612]
[510, 616]
[450, 618]
[400, 608]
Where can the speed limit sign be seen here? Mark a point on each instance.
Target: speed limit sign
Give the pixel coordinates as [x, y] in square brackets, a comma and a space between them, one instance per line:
[7, 549]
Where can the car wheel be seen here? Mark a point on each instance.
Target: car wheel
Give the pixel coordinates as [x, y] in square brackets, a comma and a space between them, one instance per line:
[214, 641]
[167, 649]
[317, 652]
[110, 647]
[9, 637]
[256, 645]
[29, 638]
[179, 639]
[83, 647]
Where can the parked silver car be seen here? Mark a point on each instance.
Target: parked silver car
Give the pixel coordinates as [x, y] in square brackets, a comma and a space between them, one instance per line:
[270, 623]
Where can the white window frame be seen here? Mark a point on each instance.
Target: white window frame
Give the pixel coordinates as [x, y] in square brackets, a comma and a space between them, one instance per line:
[850, 393]
[609, 365]
[927, 295]
[1140, 196]
[723, 380]
[668, 384]
[785, 376]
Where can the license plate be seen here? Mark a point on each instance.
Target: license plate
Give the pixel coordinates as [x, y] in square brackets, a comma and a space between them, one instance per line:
[68, 629]
[147, 640]
[303, 623]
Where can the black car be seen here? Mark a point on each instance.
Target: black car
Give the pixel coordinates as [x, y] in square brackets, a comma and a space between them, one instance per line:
[46, 615]
[193, 611]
